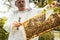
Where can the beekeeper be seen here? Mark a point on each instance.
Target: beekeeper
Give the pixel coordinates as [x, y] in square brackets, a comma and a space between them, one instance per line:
[20, 13]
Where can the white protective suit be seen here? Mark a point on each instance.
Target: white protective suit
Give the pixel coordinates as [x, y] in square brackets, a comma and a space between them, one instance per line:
[15, 34]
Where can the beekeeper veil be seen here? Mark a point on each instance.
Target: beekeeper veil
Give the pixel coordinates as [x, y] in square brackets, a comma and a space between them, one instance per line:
[13, 4]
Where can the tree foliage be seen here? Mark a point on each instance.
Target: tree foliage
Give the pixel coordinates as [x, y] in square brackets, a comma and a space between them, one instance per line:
[3, 33]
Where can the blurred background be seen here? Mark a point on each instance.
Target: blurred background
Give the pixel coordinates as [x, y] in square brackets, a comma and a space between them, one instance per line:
[5, 6]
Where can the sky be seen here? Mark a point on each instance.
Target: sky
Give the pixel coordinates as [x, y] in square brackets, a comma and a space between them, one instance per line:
[3, 9]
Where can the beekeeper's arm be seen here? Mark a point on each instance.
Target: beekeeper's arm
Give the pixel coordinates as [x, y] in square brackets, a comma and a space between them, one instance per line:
[11, 25]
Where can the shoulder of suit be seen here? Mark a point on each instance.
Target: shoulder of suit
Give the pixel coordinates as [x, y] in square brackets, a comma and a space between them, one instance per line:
[12, 12]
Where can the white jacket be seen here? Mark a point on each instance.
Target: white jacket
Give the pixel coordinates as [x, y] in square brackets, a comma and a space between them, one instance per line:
[15, 34]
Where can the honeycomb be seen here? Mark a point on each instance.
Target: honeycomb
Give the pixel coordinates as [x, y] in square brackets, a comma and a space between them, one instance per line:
[38, 25]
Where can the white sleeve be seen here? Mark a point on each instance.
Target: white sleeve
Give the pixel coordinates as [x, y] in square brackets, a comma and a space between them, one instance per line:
[8, 24]
[46, 7]
[41, 9]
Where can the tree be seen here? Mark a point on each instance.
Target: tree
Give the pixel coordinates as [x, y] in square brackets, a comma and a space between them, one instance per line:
[3, 33]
